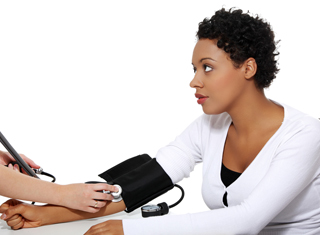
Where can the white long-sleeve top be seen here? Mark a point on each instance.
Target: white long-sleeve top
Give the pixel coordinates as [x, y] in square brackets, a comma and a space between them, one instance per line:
[278, 193]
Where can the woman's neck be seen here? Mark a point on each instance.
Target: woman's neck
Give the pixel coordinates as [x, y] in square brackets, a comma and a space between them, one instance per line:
[253, 112]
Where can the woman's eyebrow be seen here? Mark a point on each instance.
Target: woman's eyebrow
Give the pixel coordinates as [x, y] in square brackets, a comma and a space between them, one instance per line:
[207, 58]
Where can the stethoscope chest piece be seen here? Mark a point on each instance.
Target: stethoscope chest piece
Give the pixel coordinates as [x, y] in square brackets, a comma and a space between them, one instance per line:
[116, 195]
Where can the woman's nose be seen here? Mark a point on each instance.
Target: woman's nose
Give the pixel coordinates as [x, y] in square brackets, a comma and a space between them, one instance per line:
[196, 82]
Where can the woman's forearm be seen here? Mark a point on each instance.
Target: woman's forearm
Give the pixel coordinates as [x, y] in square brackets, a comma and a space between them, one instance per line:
[76, 196]
[52, 214]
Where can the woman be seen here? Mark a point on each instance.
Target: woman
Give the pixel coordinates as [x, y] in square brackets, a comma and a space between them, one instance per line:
[260, 158]
[76, 196]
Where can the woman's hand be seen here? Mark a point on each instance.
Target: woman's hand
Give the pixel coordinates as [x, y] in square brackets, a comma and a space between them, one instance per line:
[6, 158]
[85, 197]
[110, 227]
[20, 215]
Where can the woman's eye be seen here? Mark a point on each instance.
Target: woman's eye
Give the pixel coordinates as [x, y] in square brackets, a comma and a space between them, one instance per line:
[194, 70]
[207, 68]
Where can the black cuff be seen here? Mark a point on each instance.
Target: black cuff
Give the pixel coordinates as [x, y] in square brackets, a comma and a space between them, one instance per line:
[140, 184]
[124, 167]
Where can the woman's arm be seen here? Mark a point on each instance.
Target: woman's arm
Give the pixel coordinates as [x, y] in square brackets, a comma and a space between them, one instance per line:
[21, 215]
[15, 185]
[295, 165]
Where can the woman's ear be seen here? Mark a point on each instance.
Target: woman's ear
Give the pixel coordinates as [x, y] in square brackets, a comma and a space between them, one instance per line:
[250, 68]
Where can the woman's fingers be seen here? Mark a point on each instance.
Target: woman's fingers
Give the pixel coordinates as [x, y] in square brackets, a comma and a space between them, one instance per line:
[110, 227]
[99, 191]
[15, 222]
[11, 202]
[19, 225]
[29, 161]
[16, 167]
[14, 209]
[98, 204]
[95, 206]
[102, 196]
[87, 197]
[12, 214]
[106, 187]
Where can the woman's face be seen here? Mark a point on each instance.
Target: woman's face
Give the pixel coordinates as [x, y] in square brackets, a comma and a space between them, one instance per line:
[217, 82]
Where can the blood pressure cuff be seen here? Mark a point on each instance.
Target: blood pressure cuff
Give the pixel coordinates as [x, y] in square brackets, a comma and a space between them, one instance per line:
[141, 178]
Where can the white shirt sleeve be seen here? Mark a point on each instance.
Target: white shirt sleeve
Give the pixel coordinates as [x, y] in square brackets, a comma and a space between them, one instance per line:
[179, 157]
[294, 166]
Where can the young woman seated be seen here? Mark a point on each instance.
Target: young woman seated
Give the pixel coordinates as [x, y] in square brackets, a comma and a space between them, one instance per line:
[261, 158]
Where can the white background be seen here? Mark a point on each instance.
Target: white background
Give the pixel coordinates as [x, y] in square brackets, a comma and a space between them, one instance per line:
[88, 84]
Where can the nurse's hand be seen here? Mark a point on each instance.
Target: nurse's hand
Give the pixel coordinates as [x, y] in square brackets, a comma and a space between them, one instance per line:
[6, 158]
[110, 227]
[85, 197]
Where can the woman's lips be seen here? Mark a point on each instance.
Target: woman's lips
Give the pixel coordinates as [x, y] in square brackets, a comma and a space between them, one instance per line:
[201, 98]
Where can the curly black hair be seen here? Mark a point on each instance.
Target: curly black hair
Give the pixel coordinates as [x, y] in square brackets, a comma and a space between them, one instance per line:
[243, 36]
